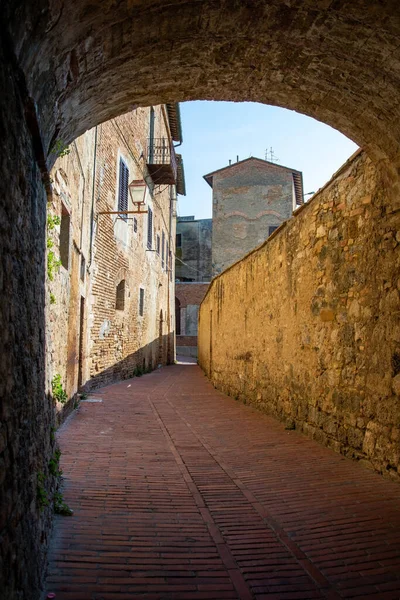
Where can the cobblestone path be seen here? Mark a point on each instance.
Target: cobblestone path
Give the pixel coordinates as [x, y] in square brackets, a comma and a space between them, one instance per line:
[181, 493]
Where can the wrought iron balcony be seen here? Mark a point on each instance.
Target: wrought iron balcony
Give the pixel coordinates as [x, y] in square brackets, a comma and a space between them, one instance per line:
[161, 161]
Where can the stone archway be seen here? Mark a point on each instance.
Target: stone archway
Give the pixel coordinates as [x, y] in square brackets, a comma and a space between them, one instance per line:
[67, 67]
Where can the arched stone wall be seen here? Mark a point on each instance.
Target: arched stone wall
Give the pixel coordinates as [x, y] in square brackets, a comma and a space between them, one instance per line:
[85, 62]
[66, 67]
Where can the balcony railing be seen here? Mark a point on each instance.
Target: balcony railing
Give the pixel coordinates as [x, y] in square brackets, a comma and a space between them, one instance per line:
[161, 161]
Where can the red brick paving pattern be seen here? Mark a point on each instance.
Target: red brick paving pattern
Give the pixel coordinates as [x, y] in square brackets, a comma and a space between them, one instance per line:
[181, 493]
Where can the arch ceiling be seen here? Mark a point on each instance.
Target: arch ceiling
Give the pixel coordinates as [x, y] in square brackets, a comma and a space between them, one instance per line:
[335, 60]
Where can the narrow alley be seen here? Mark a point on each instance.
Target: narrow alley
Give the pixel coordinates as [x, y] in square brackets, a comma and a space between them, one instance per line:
[180, 492]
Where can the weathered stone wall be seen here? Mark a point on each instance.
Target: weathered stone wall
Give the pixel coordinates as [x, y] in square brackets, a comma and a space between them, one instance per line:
[68, 284]
[193, 257]
[26, 416]
[306, 327]
[248, 198]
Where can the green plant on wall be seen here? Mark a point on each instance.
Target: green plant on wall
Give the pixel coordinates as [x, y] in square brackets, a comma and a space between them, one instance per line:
[52, 298]
[41, 493]
[52, 221]
[53, 479]
[59, 394]
[60, 506]
[60, 149]
[53, 264]
[54, 464]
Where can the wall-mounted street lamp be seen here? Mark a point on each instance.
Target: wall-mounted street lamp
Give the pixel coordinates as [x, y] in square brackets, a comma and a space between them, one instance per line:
[137, 191]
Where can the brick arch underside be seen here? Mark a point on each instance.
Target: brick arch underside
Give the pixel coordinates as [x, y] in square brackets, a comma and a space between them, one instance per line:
[65, 67]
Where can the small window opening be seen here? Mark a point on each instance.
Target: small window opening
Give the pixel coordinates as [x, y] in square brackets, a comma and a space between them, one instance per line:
[272, 228]
[158, 245]
[166, 256]
[120, 296]
[64, 237]
[83, 268]
[179, 240]
[162, 249]
[141, 302]
[135, 224]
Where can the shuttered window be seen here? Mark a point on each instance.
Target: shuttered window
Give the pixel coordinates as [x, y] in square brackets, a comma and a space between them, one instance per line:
[162, 249]
[149, 228]
[166, 256]
[141, 302]
[123, 188]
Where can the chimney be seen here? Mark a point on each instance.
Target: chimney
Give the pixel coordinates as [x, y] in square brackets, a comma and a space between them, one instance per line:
[230, 162]
[237, 158]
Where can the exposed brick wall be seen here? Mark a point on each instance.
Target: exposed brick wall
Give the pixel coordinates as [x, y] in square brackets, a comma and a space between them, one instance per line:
[121, 341]
[186, 340]
[190, 293]
[112, 343]
[306, 327]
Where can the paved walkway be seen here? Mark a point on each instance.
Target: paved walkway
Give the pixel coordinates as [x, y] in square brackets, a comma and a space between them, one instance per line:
[182, 493]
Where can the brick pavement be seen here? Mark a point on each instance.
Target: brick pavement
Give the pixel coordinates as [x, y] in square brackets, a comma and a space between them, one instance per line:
[182, 493]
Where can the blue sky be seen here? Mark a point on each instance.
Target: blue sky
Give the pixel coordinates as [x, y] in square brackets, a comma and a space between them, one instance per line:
[214, 132]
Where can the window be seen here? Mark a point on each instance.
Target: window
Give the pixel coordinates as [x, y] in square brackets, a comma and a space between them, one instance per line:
[135, 224]
[158, 245]
[272, 228]
[141, 301]
[83, 268]
[166, 256]
[162, 249]
[120, 296]
[64, 237]
[123, 188]
[179, 240]
[149, 228]
[177, 316]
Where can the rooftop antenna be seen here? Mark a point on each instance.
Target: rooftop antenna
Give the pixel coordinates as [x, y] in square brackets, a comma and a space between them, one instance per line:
[272, 156]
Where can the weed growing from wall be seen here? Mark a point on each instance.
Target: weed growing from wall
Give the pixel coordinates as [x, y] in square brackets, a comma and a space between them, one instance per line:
[60, 149]
[59, 394]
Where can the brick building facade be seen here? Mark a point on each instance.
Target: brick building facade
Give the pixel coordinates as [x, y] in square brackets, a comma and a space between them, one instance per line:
[251, 198]
[111, 303]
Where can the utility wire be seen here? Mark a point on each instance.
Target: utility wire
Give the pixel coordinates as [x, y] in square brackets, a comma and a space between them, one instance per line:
[189, 267]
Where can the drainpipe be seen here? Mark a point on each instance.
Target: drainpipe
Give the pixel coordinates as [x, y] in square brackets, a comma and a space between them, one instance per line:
[83, 194]
[93, 192]
[169, 270]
